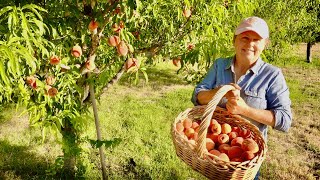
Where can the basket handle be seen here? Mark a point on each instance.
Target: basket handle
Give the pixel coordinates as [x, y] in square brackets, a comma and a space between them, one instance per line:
[206, 118]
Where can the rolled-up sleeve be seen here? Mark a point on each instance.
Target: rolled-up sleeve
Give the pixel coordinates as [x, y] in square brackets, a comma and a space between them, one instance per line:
[206, 84]
[279, 102]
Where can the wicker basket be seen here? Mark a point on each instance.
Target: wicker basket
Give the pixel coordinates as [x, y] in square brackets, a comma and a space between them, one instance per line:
[197, 156]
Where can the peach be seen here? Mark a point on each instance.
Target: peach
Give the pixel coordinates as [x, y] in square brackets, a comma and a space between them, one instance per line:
[187, 123]
[113, 41]
[213, 137]
[93, 25]
[235, 129]
[76, 51]
[122, 48]
[190, 47]
[232, 135]
[209, 144]
[194, 136]
[237, 141]
[215, 152]
[245, 133]
[52, 92]
[225, 128]
[186, 12]
[223, 138]
[50, 80]
[224, 157]
[90, 65]
[189, 132]
[247, 155]
[176, 61]
[216, 128]
[54, 60]
[179, 127]
[30, 80]
[235, 152]
[250, 145]
[224, 148]
[131, 62]
[237, 159]
[195, 125]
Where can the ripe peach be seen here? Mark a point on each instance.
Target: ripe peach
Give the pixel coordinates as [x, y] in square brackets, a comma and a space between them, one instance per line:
[245, 133]
[235, 152]
[93, 25]
[30, 80]
[223, 138]
[247, 155]
[90, 65]
[187, 123]
[116, 28]
[225, 128]
[176, 61]
[250, 145]
[195, 125]
[50, 80]
[186, 12]
[194, 136]
[237, 159]
[190, 47]
[131, 62]
[237, 141]
[122, 48]
[224, 157]
[216, 128]
[179, 127]
[236, 129]
[232, 135]
[224, 148]
[189, 132]
[209, 144]
[215, 152]
[213, 137]
[54, 60]
[113, 41]
[76, 51]
[52, 92]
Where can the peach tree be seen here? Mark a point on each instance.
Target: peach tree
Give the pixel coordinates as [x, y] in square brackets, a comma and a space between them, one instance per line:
[58, 57]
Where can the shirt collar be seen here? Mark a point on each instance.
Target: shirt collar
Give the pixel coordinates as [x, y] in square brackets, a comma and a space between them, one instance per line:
[254, 68]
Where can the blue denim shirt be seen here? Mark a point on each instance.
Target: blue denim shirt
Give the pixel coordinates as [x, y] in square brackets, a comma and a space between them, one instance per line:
[262, 87]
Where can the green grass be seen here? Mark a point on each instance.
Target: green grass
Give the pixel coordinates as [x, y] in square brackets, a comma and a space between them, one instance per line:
[142, 116]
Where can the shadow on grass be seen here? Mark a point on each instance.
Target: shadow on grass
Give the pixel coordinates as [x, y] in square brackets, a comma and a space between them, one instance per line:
[17, 163]
[158, 78]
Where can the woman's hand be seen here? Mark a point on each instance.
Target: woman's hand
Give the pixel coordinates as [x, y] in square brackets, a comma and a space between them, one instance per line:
[237, 106]
[233, 93]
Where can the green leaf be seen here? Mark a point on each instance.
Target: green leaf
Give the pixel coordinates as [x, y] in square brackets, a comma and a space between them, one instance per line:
[5, 9]
[34, 9]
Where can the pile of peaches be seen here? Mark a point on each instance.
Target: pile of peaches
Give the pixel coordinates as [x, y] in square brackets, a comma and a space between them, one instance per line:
[223, 141]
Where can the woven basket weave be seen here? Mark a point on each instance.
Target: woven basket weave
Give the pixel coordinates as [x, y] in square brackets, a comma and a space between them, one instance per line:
[197, 156]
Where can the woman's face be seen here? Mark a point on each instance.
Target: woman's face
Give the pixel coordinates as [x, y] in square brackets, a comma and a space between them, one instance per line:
[249, 45]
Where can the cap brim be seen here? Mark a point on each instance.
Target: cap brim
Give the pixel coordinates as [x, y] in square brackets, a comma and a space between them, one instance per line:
[242, 30]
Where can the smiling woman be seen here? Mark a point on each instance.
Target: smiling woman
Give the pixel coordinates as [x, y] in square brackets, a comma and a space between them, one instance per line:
[261, 94]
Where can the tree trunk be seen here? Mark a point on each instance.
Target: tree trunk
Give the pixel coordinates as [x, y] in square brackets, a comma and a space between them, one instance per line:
[70, 150]
[309, 54]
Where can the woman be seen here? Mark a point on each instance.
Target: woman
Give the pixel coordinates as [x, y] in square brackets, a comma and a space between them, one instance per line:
[262, 95]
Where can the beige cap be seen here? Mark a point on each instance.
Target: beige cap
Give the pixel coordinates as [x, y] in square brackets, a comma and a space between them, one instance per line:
[255, 24]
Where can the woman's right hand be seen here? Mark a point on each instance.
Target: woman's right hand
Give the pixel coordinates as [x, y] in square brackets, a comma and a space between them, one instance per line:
[233, 94]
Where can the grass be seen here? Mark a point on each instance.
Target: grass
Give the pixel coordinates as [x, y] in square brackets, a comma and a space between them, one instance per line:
[142, 116]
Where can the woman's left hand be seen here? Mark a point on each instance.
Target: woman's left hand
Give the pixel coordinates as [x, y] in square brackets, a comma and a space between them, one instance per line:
[236, 106]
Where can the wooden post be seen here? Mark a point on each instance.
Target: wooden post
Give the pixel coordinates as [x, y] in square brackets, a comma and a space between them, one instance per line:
[96, 118]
